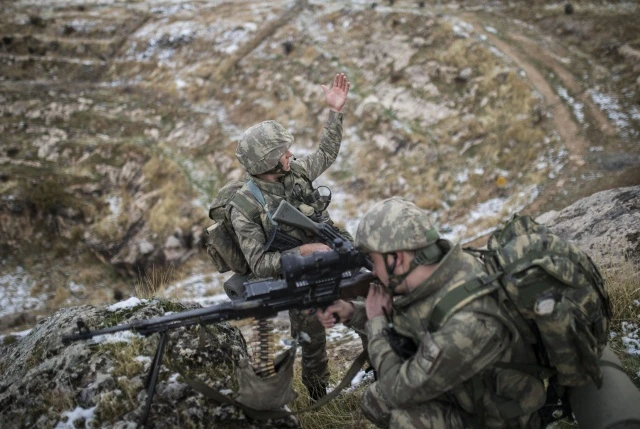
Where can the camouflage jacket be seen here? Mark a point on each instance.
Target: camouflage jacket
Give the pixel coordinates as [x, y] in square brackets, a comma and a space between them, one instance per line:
[464, 350]
[293, 187]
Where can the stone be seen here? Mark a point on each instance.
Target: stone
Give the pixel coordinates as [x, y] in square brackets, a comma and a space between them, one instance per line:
[606, 225]
[42, 377]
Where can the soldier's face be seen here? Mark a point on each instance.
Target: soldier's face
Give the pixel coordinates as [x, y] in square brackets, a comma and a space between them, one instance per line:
[379, 268]
[284, 160]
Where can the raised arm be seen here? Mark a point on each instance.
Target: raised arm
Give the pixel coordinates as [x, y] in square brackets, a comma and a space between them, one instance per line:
[316, 163]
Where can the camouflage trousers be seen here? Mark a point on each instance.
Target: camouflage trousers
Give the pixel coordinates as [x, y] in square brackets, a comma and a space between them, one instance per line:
[430, 415]
[315, 363]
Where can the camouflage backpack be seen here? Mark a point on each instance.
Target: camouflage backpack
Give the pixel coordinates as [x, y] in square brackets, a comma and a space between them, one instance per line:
[553, 292]
[219, 239]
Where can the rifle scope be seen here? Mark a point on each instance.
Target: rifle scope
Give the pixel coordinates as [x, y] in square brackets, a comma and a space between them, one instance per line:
[332, 264]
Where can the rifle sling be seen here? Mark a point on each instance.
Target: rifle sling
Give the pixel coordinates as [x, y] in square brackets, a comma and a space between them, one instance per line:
[221, 398]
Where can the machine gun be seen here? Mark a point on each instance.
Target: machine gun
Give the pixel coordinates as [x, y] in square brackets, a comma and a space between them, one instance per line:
[314, 281]
[277, 240]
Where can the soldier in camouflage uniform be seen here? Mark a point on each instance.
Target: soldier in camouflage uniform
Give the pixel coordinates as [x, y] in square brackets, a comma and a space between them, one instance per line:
[264, 153]
[462, 374]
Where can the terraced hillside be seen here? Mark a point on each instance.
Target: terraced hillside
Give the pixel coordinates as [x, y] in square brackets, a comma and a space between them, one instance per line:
[119, 121]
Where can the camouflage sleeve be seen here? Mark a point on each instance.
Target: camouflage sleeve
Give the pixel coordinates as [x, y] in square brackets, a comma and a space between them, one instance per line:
[252, 240]
[464, 346]
[316, 163]
[359, 317]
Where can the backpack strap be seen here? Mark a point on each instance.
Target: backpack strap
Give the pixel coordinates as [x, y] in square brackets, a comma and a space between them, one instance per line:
[460, 296]
[250, 208]
[257, 193]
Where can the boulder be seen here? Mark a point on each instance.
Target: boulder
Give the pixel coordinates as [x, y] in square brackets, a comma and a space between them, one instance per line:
[46, 383]
[606, 224]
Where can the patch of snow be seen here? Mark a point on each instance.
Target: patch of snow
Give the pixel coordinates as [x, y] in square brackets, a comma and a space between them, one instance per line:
[612, 108]
[115, 202]
[596, 149]
[498, 53]
[76, 288]
[79, 413]
[198, 289]
[210, 300]
[490, 29]
[129, 303]
[341, 333]
[146, 360]
[116, 337]
[631, 338]
[576, 106]
[359, 379]
[16, 293]
[462, 176]
[19, 334]
[458, 31]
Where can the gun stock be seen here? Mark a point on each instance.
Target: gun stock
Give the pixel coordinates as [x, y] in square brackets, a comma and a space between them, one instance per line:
[289, 215]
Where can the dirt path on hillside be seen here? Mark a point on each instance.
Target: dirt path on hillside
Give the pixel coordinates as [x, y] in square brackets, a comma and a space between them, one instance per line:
[561, 117]
[537, 52]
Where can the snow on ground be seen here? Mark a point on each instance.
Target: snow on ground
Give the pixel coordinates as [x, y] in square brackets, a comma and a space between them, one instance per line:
[342, 333]
[116, 337]
[631, 338]
[16, 293]
[204, 289]
[18, 334]
[129, 303]
[496, 208]
[610, 105]
[69, 417]
[576, 106]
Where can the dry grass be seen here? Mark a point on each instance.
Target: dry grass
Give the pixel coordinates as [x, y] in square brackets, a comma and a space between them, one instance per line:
[343, 412]
[150, 283]
[170, 206]
[623, 284]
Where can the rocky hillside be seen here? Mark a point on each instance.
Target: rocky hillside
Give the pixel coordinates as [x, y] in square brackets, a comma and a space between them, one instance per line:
[101, 382]
[119, 120]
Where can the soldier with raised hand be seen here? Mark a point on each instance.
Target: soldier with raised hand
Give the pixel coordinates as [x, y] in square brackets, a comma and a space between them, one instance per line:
[264, 152]
[463, 373]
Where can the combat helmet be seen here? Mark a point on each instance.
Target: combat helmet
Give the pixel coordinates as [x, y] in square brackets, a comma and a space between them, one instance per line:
[396, 224]
[261, 147]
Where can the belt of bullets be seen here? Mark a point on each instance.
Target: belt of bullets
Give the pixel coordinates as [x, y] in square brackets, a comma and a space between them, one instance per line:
[264, 366]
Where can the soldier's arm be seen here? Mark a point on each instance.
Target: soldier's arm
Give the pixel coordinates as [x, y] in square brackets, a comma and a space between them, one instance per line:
[252, 240]
[466, 344]
[316, 163]
[359, 317]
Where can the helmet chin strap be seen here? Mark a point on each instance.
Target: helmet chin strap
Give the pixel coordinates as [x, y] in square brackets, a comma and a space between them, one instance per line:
[278, 169]
[429, 255]
[394, 279]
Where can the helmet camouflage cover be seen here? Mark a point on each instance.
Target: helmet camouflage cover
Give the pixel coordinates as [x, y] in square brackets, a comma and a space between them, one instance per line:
[395, 224]
[261, 146]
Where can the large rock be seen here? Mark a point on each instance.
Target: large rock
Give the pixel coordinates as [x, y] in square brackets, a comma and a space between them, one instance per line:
[101, 382]
[606, 225]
